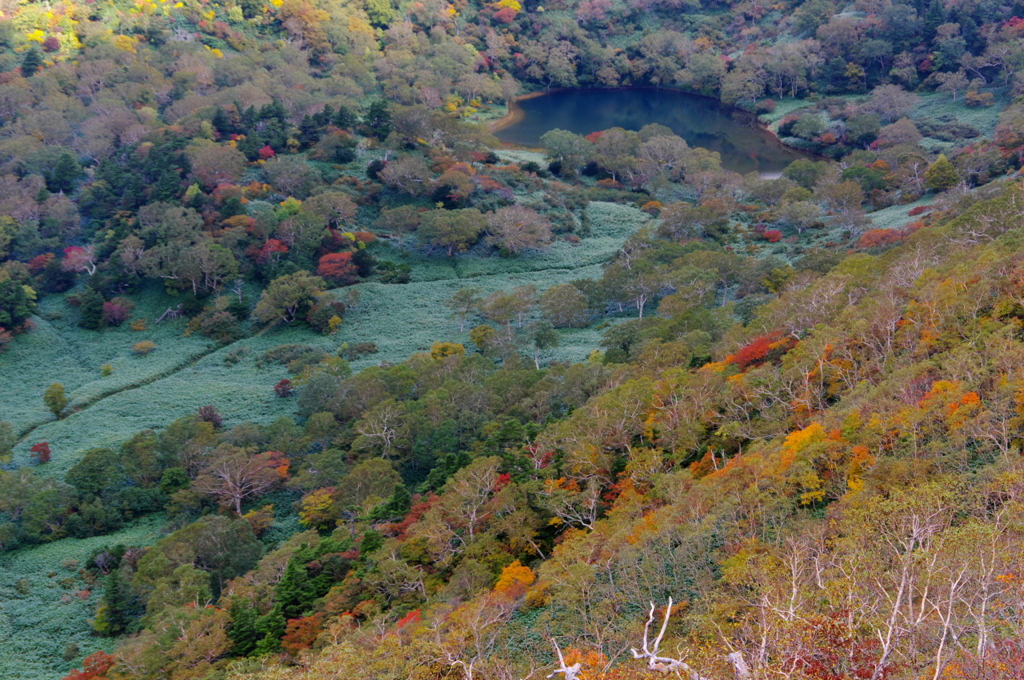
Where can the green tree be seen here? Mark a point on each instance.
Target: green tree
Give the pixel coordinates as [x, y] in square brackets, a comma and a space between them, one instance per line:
[508, 308]
[804, 172]
[31, 63]
[242, 629]
[65, 173]
[186, 586]
[564, 306]
[809, 126]
[17, 303]
[398, 221]
[8, 228]
[544, 337]
[934, 17]
[288, 298]
[463, 303]
[272, 626]
[860, 130]
[119, 608]
[90, 309]
[453, 230]
[378, 119]
[96, 472]
[372, 478]
[296, 590]
[225, 548]
[141, 459]
[941, 174]
[384, 430]
[161, 222]
[7, 441]
[381, 12]
[568, 148]
[55, 399]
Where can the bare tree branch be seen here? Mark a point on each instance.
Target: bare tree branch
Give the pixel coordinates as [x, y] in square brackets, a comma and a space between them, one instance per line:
[570, 672]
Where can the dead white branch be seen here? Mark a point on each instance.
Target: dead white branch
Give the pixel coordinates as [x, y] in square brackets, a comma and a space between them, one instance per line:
[740, 664]
[662, 664]
[570, 672]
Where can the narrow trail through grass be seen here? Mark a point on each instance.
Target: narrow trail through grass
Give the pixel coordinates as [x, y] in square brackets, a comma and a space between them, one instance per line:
[81, 406]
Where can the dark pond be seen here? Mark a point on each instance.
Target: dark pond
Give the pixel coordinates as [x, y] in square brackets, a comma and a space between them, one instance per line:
[701, 121]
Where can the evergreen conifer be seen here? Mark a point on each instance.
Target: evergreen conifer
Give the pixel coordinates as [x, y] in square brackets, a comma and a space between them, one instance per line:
[31, 63]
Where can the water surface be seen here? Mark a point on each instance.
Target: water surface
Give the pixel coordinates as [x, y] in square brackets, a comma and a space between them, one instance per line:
[701, 121]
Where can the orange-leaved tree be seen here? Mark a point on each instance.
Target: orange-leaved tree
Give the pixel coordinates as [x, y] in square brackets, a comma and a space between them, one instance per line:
[94, 666]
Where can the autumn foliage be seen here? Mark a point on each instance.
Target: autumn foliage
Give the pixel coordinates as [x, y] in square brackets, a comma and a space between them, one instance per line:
[301, 633]
[338, 267]
[813, 443]
[270, 250]
[761, 349]
[514, 579]
[41, 452]
[826, 649]
[284, 388]
[94, 667]
[880, 238]
[38, 263]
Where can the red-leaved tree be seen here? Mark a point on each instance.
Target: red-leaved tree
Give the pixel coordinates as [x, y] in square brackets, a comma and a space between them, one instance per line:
[41, 452]
[302, 633]
[877, 238]
[78, 259]
[115, 313]
[38, 263]
[94, 666]
[338, 267]
[505, 15]
[284, 388]
[271, 250]
[761, 349]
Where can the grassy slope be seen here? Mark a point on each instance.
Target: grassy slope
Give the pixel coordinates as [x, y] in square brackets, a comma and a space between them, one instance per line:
[934, 105]
[41, 615]
[186, 373]
[931, 105]
[898, 216]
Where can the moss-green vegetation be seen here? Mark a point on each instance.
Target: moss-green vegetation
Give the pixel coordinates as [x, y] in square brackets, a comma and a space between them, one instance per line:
[47, 598]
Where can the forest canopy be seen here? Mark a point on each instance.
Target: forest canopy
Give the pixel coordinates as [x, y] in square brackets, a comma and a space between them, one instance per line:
[306, 375]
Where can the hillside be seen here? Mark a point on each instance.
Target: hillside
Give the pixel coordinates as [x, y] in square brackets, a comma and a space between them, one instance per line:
[306, 375]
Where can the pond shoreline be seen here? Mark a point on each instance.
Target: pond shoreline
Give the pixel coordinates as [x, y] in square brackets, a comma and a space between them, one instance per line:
[515, 113]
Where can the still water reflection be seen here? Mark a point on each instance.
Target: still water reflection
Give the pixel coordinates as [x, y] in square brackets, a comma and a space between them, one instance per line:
[701, 121]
